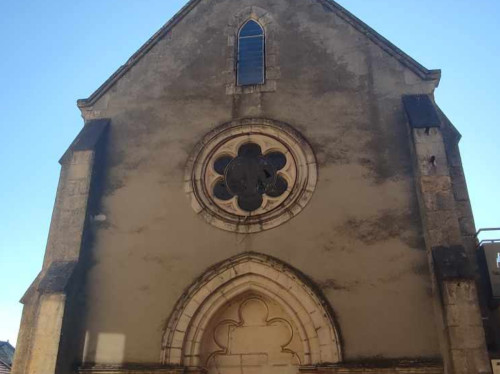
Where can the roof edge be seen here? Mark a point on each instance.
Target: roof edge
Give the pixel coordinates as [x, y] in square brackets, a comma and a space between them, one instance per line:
[374, 36]
[385, 44]
[83, 103]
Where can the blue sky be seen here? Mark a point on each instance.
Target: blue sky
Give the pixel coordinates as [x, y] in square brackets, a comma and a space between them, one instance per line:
[54, 52]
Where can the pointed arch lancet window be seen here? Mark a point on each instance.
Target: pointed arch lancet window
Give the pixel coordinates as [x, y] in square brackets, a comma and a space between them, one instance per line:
[251, 54]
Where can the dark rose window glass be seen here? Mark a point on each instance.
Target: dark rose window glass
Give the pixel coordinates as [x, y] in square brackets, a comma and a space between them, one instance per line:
[249, 176]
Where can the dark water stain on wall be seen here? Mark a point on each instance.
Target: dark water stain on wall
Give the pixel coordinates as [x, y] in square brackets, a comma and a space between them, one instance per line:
[331, 150]
[389, 224]
[302, 50]
[392, 277]
[333, 284]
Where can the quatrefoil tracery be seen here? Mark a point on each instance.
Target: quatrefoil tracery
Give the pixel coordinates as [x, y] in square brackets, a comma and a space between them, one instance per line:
[249, 176]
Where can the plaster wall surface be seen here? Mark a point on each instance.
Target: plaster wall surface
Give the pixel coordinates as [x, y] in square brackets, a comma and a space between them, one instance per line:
[360, 237]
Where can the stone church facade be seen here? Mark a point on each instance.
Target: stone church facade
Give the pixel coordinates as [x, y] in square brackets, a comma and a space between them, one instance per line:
[264, 187]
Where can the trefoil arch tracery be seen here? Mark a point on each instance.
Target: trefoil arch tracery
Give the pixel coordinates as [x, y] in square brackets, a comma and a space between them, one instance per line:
[268, 297]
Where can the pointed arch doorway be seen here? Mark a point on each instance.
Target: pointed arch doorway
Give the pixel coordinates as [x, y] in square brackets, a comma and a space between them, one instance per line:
[251, 314]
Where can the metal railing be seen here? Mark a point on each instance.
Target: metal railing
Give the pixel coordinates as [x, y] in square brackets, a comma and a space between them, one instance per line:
[489, 241]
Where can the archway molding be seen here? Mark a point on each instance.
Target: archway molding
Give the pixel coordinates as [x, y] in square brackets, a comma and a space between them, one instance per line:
[258, 274]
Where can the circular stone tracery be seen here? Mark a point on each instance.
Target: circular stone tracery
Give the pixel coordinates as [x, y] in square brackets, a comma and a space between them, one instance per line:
[251, 175]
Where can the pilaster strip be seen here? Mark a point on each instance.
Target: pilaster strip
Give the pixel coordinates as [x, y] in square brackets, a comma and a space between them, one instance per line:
[47, 298]
[457, 308]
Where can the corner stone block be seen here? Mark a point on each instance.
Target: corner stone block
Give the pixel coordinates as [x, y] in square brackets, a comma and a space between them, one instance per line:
[435, 184]
[439, 201]
[447, 222]
[466, 314]
[47, 334]
[460, 363]
[466, 337]
[433, 135]
[460, 190]
[455, 292]
[479, 359]
[467, 226]
[436, 237]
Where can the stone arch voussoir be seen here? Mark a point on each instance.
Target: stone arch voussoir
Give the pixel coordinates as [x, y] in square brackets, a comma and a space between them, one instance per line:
[260, 274]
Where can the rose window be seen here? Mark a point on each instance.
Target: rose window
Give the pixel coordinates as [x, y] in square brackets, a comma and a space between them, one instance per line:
[249, 176]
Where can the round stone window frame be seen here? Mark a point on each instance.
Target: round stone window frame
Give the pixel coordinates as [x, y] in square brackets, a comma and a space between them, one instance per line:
[202, 200]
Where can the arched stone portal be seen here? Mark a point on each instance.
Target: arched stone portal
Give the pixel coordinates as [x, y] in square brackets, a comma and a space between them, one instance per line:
[254, 314]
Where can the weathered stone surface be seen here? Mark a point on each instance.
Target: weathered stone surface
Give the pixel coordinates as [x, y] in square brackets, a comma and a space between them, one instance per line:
[47, 299]
[421, 111]
[467, 337]
[46, 335]
[57, 277]
[441, 201]
[457, 311]
[451, 263]
[349, 109]
[360, 237]
[312, 323]
[461, 292]
[464, 314]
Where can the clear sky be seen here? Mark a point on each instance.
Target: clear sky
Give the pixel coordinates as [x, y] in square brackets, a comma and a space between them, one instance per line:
[54, 52]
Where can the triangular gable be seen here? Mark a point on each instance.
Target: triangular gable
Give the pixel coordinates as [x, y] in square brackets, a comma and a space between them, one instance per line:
[375, 37]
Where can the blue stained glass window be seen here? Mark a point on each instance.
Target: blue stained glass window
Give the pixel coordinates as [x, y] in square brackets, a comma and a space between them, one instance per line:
[251, 55]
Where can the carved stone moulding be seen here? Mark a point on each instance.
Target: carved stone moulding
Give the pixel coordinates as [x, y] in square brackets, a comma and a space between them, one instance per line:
[396, 368]
[251, 175]
[263, 280]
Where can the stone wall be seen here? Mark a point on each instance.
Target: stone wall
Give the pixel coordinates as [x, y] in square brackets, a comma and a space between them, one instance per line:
[360, 237]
